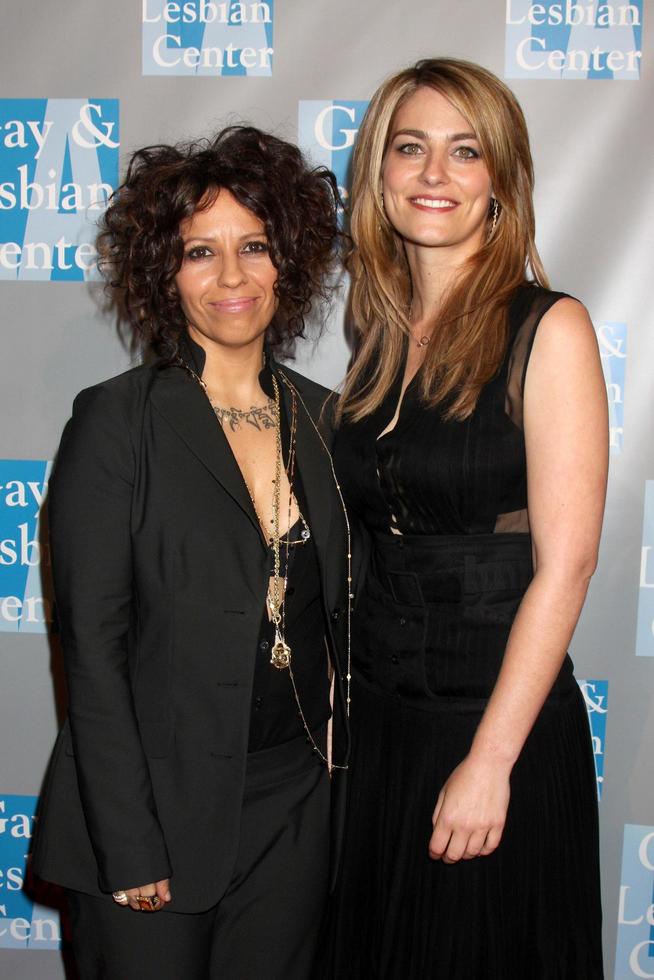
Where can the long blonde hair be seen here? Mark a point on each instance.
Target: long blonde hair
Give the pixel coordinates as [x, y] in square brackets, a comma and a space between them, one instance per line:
[461, 359]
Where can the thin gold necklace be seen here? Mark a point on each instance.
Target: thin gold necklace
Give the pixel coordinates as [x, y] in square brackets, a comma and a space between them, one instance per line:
[281, 651]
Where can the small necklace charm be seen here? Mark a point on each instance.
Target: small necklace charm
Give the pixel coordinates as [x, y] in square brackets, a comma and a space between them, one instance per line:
[422, 342]
[281, 653]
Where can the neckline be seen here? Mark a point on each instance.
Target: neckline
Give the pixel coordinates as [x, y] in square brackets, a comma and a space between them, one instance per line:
[399, 397]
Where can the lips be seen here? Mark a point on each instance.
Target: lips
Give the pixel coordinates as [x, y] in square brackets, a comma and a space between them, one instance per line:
[235, 305]
[438, 204]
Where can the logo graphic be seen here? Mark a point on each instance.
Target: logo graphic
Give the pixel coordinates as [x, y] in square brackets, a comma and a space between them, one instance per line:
[23, 923]
[645, 629]
[612, 339]
[596, 696]
[23, 608]
[58, 167]
[200, 37]
[327, 132]
[564, 39]
[634, 956]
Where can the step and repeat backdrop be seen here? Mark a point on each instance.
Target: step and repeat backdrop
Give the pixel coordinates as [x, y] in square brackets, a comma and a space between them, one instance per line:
[84, 84]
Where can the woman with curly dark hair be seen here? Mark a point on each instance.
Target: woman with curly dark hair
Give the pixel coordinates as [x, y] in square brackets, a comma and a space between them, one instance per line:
[203, 580]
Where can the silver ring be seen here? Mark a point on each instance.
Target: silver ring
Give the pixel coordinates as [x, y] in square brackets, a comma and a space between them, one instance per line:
[120, 897]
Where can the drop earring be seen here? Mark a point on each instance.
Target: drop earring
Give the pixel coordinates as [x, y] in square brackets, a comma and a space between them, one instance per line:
[496, 211]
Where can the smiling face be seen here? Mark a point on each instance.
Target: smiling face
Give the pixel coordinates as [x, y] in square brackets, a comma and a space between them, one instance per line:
[436, 185]
[226, 281]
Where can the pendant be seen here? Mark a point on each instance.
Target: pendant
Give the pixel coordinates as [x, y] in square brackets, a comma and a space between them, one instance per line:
[281, 653]
[422, 342]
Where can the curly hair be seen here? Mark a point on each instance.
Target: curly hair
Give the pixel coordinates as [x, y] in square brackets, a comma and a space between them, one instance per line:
[141, 250]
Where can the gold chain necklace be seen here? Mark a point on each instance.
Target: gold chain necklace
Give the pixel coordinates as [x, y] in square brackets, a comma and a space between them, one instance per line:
[281, 651]
[350, 594]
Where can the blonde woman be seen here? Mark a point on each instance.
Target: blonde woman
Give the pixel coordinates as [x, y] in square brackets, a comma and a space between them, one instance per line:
[473, 448]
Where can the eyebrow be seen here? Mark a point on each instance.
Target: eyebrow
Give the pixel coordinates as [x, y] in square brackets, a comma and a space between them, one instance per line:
[200, 238]
[421, 134]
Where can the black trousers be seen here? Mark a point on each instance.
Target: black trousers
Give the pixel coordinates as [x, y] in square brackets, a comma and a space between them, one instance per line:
[266, 925]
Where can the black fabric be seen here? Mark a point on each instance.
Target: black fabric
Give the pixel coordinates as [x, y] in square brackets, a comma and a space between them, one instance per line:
[274, 716]
[428, 639]
[160, 572]
[266, 924]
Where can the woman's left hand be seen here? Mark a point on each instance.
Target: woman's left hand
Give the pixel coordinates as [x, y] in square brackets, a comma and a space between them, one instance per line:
[470, 812]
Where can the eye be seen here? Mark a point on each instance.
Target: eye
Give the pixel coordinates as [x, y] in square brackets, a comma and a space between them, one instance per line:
[409, 149]
[467, 153]
[197, 252]
[256, 248]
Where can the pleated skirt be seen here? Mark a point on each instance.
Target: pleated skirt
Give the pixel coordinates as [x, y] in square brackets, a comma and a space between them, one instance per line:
[529, 911]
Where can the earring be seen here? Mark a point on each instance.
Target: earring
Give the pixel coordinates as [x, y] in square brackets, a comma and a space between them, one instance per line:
[496, 211]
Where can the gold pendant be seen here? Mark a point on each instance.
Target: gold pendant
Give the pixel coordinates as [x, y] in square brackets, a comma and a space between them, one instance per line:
[281, 654]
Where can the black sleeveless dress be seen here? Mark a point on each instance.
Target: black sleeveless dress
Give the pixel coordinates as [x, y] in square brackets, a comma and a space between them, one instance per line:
[429, 634]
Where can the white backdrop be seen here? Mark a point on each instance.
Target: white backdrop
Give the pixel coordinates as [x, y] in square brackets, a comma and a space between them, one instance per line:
[85, 83]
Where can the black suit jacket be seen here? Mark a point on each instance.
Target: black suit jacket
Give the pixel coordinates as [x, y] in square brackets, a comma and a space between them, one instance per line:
[160, 573]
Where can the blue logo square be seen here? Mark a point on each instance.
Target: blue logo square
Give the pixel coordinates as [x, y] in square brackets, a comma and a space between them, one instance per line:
[565, 39]
[596, 696]
[58, 168]
[327, 133]
[634, 955]
[23, 923]
[207, 37]
[612, 340]
[23, 607]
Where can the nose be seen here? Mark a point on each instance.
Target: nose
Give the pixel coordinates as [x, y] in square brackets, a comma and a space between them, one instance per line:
[434, 170]
[231, 274]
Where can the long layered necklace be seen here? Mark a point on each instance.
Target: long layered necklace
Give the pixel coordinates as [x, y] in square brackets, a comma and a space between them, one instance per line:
[281, 656]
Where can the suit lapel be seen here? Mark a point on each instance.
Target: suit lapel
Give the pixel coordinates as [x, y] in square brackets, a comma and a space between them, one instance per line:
[181, 401]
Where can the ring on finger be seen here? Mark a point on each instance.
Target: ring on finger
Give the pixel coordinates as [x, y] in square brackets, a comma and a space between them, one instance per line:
[148, 903]
[120, 898]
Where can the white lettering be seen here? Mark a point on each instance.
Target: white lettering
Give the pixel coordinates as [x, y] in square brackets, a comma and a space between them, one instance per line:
[644, 584]
[162, 42]
[144, 15]
[616, 433]
[622, 910]
[8, 605]
[208, 12]
[646, 861]
[321, 135]
[39, 927]
[38, 255]
[209, 57]
[15, 135]
[35, 609]
[614, 393]
[588, 690]
[101, 138]
[634, 959]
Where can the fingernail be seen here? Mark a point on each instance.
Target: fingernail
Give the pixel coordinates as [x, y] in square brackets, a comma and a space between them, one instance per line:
[167, 897]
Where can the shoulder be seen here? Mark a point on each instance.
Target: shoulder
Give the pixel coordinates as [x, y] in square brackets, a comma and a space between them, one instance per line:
[564, 321]
[531, 302]
[121, 393]
[565, 352]
[319, 402]
[547, 320]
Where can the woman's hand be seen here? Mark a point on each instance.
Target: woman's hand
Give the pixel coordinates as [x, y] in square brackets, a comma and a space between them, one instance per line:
[157, 893]
[470, 811]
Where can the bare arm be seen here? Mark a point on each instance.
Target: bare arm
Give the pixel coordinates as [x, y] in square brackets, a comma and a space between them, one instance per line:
[566, 436]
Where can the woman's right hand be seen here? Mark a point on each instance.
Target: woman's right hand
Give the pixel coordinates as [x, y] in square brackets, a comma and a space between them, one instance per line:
[158, 891]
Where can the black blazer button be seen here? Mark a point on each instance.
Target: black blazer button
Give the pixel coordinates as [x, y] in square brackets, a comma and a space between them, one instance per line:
[336, 613]
[264, 645]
